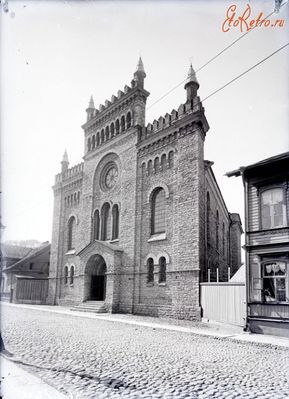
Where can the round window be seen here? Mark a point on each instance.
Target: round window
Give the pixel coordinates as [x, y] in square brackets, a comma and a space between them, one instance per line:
[109, 176]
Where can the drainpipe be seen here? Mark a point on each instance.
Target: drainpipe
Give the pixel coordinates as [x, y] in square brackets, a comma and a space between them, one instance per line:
[247, 264]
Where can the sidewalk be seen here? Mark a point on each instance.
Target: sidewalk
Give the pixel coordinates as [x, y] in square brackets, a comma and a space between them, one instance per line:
[17, 383]
[205, 329]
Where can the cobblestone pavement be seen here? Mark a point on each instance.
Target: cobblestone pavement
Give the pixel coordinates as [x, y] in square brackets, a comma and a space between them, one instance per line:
[87, 358]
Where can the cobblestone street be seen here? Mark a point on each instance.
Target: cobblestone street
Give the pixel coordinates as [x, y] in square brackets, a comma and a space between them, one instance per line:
[86, 358]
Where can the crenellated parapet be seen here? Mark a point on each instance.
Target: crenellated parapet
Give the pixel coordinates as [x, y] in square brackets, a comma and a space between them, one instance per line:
[165, 123]
[123, 111]
[70, 174]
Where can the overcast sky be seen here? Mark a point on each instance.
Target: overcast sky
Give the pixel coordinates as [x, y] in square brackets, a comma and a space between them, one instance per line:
[55, 54]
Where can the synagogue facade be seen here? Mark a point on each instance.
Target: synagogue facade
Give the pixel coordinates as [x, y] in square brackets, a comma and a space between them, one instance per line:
[141, 221]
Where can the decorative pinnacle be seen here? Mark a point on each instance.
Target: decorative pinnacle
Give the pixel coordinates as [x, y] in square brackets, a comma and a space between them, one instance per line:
[91, 103]
[65, 157]
[192, 76]
[140, 67]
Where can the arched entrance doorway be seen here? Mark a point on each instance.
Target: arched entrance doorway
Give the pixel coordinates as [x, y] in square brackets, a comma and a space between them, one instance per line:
[95, 279]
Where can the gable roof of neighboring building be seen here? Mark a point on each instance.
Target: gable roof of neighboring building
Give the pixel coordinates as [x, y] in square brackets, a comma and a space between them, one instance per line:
[30, 256]
[276, 158]
[14, 251]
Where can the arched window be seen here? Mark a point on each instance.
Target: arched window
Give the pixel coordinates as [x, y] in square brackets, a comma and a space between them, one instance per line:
[143, 169]
[117, 127]
[93, 141]
[65, 275]
[157, 164]
[115, 222]
[97, 139]
[122, 124]
[171, 159]
[150, 167]
[71, 277]
[163, 161]
[71, 233]
[112, 130]
[96, 225]
[89, 144]
[128, 120]
[78, 196]
[102, 136]
[107, 133]
[104, 221]
[208, 217]
[273, 208]
[150, 270]
[158, 211]
[75, 198]
[217, 229]
[163, 270]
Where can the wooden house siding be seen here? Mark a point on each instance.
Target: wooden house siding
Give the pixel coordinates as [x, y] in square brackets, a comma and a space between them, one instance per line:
[270, 311]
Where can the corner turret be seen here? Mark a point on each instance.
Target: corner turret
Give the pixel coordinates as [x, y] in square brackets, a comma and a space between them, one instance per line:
[139, 74]
[191, 85]
[90, 109]
[64, 162]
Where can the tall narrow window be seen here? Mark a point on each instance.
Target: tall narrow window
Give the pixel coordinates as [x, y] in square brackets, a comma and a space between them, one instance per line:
[89, 144]
[122, 124]
[71, 277]
[65, 275]
[163, 161]
[217, 229]
[223, 238]
[128, 120]
[115, 222]
[97, 139]
[150, 270]
[93, 141]
[96, 225]
[107, 133]
[71, 233]
[117, 127]
[157, 164]
[208, 217]
[163, 270]
[171, 159]
[102, 136]
[273, 208]
[112, 130]
[104, 221]
[158, 211]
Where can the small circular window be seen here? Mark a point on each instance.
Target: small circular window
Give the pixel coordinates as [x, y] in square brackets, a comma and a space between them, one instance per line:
[109, 176]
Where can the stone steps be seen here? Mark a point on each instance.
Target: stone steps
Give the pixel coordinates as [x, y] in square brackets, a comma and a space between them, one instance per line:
[90, 306]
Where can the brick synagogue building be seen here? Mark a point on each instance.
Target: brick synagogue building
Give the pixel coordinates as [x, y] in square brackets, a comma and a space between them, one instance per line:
[141, 222]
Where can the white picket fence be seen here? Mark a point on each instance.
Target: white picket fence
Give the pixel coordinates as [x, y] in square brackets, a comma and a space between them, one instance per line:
[224, 302]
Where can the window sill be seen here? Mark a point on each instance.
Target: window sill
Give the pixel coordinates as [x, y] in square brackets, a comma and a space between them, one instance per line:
[158, 237]
[113, 241]
[70, 252]
[162, 284]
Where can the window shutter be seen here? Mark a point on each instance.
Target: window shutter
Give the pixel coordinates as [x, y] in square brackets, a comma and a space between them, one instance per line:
[255, 282]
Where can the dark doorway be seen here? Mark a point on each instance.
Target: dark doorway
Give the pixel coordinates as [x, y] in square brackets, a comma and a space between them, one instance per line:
[97, 288]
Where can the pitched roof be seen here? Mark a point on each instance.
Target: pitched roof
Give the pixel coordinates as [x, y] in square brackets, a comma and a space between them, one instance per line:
[30, 255]
[14, 251]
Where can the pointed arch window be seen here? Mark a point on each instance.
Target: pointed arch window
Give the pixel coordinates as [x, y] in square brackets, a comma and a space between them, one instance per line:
[115, 222]
[150, 270]
[71, 276]
[96, 225]
[104, 221]
[128, 120]
[163, 270]
[71, 233]
[158, 211]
